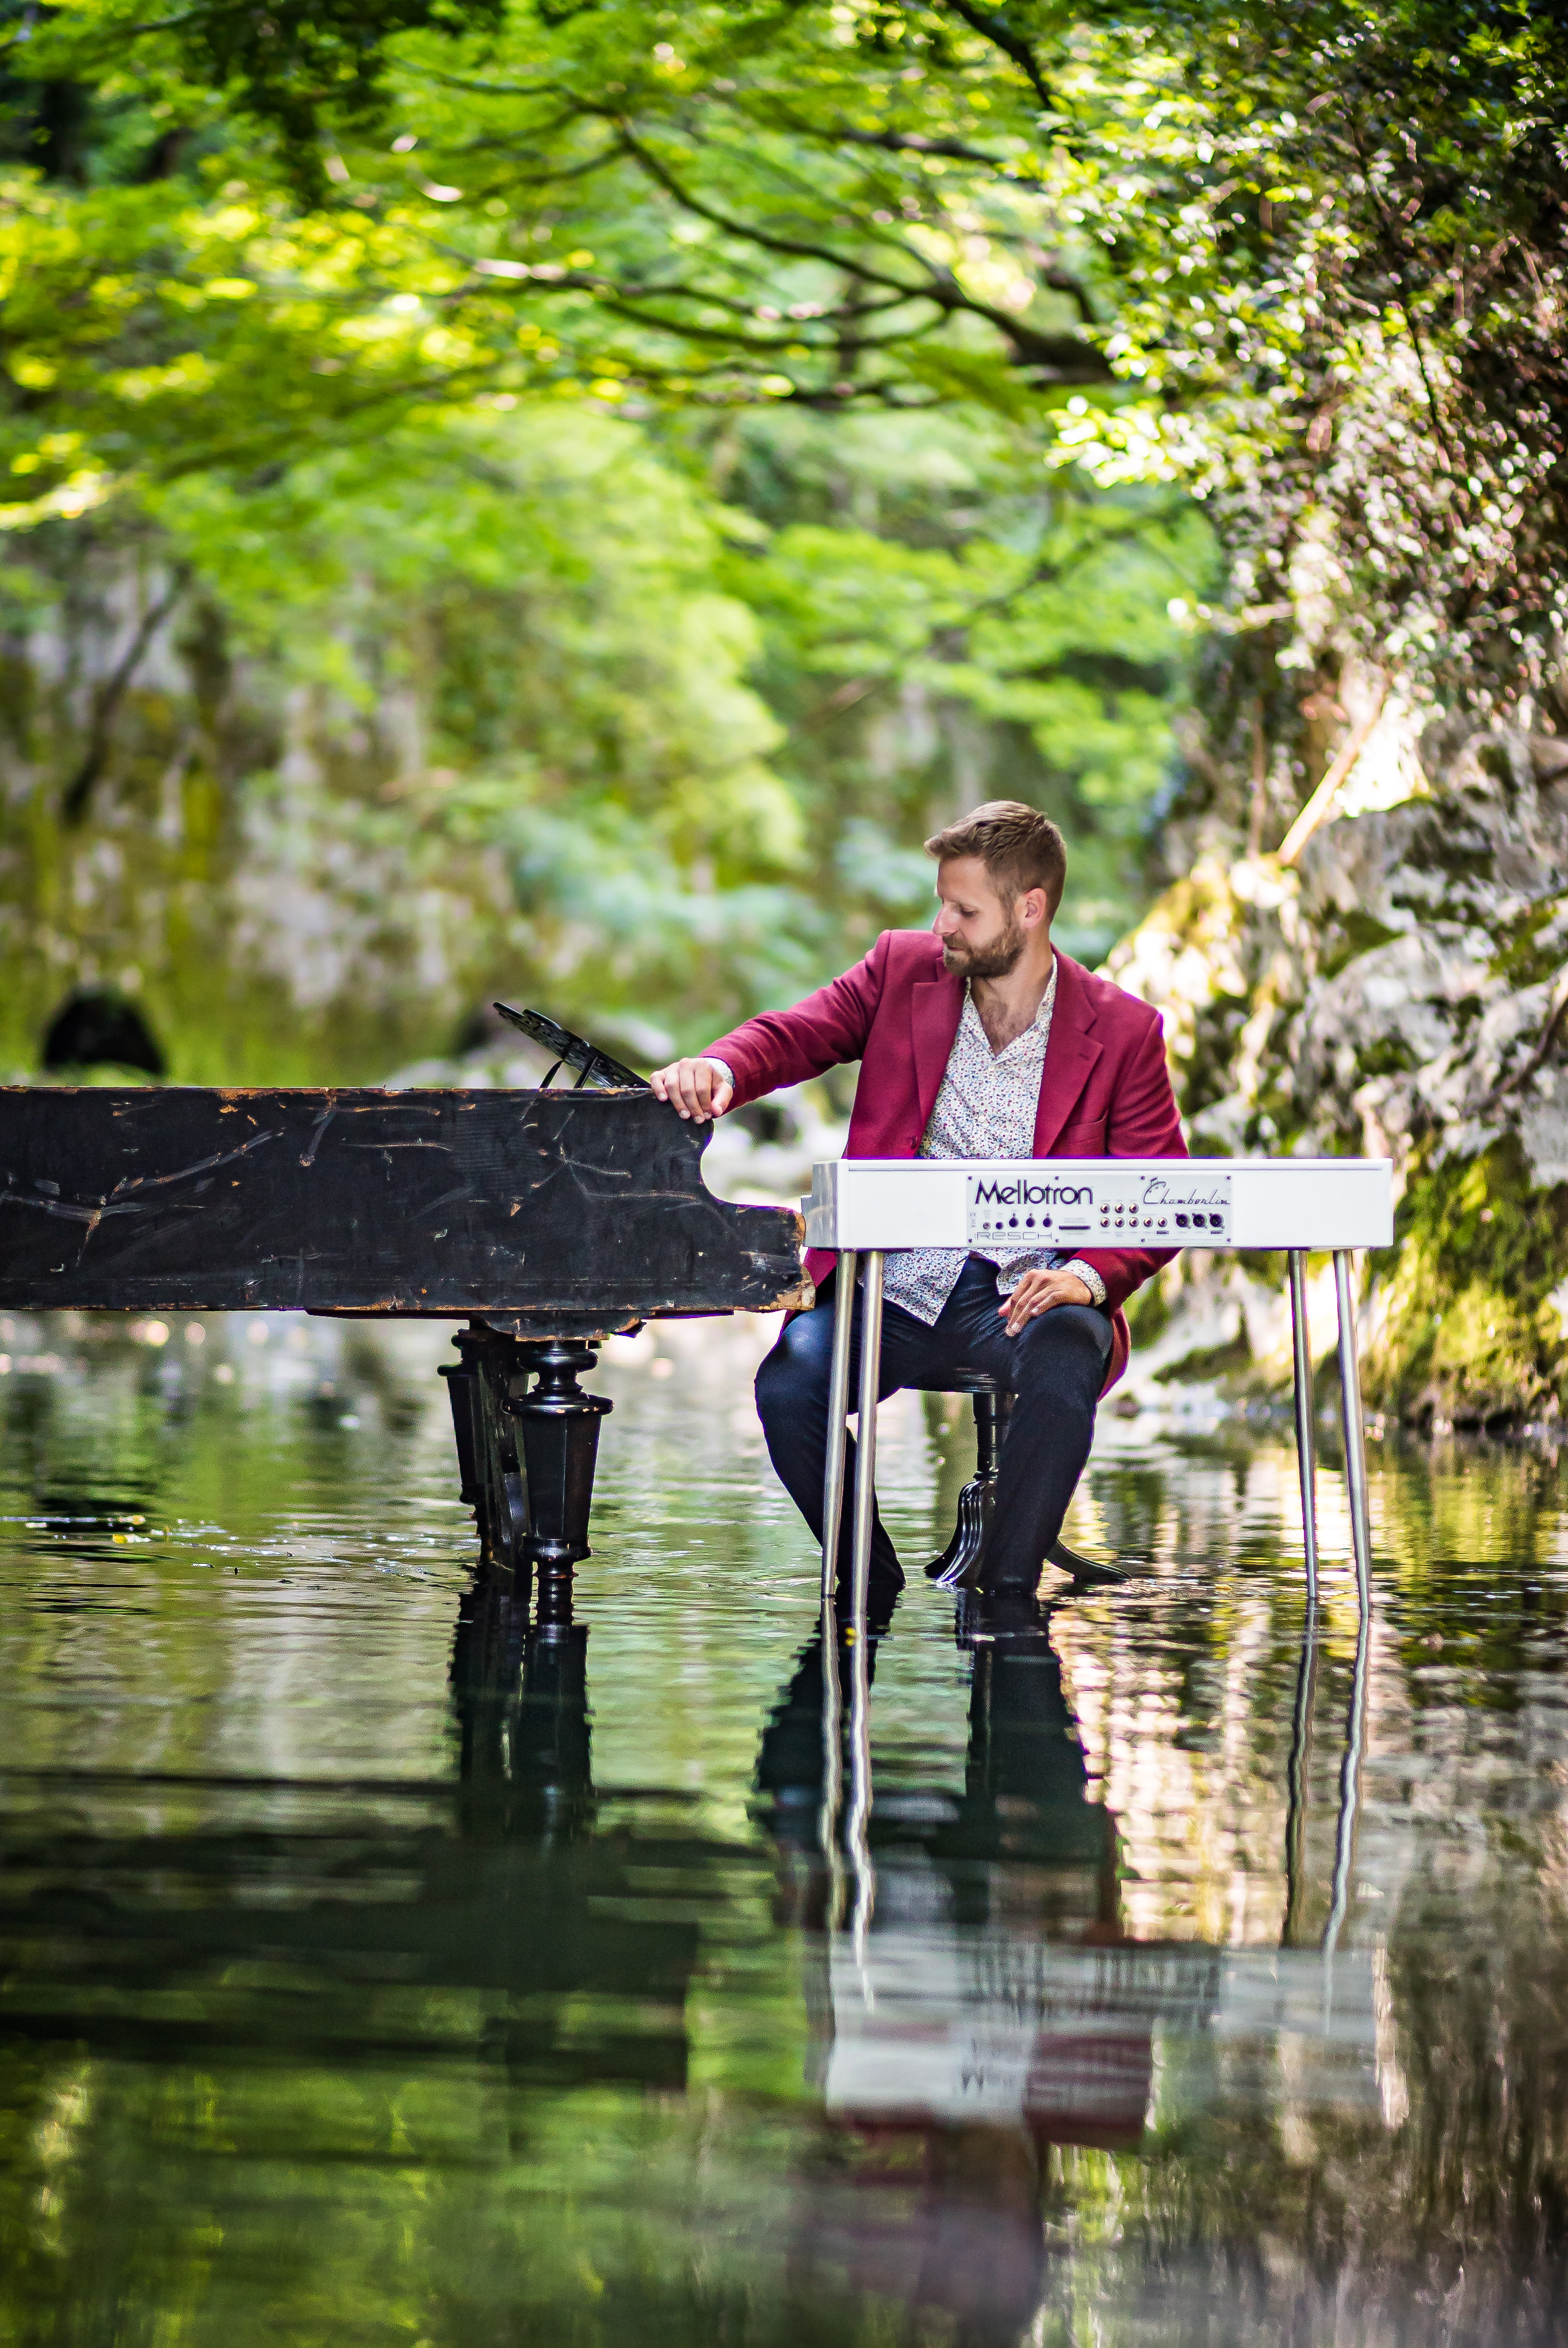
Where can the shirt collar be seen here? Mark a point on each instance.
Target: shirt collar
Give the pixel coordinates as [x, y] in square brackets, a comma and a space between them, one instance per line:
[1040, 1026]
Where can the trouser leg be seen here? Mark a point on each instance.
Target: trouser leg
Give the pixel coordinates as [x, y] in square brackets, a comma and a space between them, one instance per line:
[1058, 1365]
[792, 1403]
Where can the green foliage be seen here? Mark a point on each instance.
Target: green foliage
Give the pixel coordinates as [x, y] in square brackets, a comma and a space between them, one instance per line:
[924, 662]
[952, 308]
[1474, 1315]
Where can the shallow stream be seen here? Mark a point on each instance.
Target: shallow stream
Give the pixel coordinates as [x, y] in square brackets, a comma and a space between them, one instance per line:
[373, 1970]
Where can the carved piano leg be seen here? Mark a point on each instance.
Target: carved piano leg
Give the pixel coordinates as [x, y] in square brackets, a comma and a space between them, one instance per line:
[960, 1560]
[462, 1378]
[558, 1431]
[493, 1479]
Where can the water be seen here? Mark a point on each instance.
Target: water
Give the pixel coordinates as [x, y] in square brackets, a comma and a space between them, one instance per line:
[370, 1972]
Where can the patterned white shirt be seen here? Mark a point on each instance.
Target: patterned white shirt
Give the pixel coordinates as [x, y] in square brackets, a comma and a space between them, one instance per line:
[986, 1108]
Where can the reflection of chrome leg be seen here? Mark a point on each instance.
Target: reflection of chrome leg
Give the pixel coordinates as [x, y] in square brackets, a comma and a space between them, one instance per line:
[1349, 1791]
[1295, 1780]
[866, 1439]
[1354, 1431]
[837, 1421]
[859, 1814]
[1306, 1451]
[858, 1819]
[958, 1566]
[831, 1762]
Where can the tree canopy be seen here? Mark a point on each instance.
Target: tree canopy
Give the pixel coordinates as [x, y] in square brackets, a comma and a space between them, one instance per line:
[1298, 267]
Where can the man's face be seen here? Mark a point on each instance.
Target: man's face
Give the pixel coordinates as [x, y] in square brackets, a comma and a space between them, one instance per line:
[982, 935]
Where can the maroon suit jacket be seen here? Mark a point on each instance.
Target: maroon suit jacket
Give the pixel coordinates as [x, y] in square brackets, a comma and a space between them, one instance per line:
[1104, 1091]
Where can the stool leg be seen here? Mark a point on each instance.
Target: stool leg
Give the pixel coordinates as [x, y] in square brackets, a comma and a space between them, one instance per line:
[958, 1566]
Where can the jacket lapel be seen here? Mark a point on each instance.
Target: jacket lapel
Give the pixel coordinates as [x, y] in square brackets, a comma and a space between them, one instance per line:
[1069, 1056]
[936, 1007]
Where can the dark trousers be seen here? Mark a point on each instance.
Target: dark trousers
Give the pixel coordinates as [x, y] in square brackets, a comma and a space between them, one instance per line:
[1056, 1366]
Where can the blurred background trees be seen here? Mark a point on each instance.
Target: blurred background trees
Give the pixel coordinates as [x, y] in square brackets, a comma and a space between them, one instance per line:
[395, 611]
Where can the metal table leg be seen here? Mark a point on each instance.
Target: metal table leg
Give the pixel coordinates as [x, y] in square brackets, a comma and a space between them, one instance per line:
[1355, 1430]
[866, 1438]
[837, 1421]
[1305, 1449]
[832, 1519]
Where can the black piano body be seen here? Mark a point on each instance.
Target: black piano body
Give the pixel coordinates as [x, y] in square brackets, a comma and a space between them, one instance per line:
[546, 1220]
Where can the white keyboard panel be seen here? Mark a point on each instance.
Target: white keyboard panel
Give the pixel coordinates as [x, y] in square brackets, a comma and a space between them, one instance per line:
[1040, 1207]
[1088, 1203]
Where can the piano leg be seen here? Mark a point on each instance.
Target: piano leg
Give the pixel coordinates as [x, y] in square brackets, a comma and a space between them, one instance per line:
[1306, 1448]
[1354, 1431]
[493, 1481]
[462, 1378]
[557, 1428]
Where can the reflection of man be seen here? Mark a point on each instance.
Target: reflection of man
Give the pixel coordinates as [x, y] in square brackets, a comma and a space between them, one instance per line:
[978, 1040]
[994, 2006]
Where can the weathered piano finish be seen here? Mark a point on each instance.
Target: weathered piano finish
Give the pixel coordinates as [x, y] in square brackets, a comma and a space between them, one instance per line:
[547, 1219]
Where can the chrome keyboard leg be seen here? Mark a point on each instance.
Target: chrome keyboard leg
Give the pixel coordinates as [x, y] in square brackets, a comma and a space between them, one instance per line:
[1306, 1446]
[1354, 1431]
[866, 1438]
[837, 1422]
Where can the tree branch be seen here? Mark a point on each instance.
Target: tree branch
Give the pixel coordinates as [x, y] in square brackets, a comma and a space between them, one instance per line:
[1000, 33]
[111, 693]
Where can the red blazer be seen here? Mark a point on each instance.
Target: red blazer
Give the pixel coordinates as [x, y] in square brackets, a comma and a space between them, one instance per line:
[1105, 1090]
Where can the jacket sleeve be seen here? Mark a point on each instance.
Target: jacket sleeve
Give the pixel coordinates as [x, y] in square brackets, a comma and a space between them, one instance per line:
[1144, 1123]
[784, 1047]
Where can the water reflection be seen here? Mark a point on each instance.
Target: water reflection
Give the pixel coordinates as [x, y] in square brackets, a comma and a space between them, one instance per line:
[380, 1960]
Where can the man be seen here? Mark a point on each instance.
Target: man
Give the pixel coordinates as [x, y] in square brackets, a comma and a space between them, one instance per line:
[977, 1039]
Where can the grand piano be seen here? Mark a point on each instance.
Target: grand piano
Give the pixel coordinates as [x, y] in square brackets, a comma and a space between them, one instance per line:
[546, 1220]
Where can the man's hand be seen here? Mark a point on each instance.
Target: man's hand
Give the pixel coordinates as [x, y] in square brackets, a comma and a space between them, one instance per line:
[1041, 1291]
[696, 1087]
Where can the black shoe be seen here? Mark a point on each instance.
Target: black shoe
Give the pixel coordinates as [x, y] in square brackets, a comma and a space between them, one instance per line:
[986, 1616]
[1089, 1572]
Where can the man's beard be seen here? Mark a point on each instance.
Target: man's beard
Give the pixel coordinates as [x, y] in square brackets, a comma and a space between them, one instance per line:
[993, 961]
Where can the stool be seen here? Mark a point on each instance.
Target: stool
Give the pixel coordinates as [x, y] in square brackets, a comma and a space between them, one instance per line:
[959, 1567]
[960, 1563]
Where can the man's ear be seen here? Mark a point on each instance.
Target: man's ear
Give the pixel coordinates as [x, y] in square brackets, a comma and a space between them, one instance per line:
[1033, 909]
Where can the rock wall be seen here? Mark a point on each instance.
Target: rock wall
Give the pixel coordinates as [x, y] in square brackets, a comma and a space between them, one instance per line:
[1394, 984]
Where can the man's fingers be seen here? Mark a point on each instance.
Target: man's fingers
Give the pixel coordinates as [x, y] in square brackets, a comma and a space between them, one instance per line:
[694, 1087]
[1036, 1293]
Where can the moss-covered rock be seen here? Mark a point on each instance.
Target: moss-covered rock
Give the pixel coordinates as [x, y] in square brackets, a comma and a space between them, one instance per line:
[1402, 990]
